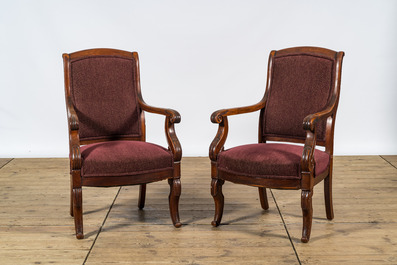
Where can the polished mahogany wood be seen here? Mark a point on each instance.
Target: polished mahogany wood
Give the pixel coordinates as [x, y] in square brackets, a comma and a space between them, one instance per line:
[308, 179]
[77, 180]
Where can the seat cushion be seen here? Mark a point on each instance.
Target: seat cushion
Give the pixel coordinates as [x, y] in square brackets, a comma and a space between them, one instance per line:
[123, 158]
[263, 160]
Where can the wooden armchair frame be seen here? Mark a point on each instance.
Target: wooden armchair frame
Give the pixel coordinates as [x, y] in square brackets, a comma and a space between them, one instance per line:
[308, 179]
[77, 181]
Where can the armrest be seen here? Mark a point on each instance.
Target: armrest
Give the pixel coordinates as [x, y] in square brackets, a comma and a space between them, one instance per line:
[220, 117]
[172, 117]
[309, 125]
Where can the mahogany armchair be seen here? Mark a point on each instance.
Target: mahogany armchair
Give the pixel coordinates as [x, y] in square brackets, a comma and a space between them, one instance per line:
[299, 106]
[106, 123]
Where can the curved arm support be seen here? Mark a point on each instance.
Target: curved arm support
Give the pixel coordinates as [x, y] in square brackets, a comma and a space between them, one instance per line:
[309, 125]
[218, 115]
[173, 142]
[220, 139]
[172, 117]
[307, 161]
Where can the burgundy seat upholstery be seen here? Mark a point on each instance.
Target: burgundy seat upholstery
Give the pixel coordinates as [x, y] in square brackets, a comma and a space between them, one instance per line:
[124, 158]
[107, 128]
[262, 160]
[298, 109]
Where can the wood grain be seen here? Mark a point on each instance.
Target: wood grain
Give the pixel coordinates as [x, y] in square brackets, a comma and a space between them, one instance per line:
[36, 228]
[4, 161]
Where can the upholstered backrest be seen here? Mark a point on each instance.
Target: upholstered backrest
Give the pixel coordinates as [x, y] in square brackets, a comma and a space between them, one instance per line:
[300, 84]
[104, 94]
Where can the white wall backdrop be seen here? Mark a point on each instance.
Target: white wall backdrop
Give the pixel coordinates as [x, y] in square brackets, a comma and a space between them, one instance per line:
[196, 57]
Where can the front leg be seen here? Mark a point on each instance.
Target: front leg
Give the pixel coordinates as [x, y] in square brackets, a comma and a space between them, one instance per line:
[307, 210]
[216, 192]
[78, 212]
[173, 198]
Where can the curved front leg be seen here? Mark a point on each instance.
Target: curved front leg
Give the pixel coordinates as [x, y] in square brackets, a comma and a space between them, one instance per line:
[307, 210]
[175, 193]
[216, 192]
[78, 212]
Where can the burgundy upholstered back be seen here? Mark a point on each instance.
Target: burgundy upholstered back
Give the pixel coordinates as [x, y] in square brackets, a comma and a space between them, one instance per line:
[301, 84]
[104, 95]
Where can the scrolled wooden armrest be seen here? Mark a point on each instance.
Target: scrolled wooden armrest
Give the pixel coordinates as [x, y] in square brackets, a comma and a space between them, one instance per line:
[310, 121]
[220, 117]
[309, 125]
[173, 115]
[217, 116]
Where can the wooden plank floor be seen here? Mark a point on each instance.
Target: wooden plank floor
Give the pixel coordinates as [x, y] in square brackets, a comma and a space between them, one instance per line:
[35, 226]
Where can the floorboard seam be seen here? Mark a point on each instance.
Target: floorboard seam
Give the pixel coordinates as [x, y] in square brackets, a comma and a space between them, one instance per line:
[100, 228]
[388, 162]
[285, 227]
[7, 163]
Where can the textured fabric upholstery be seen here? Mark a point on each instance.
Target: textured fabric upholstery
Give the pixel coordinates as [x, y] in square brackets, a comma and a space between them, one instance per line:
[300, 85]
[268, 161]
[123, 158]
[104, 96]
